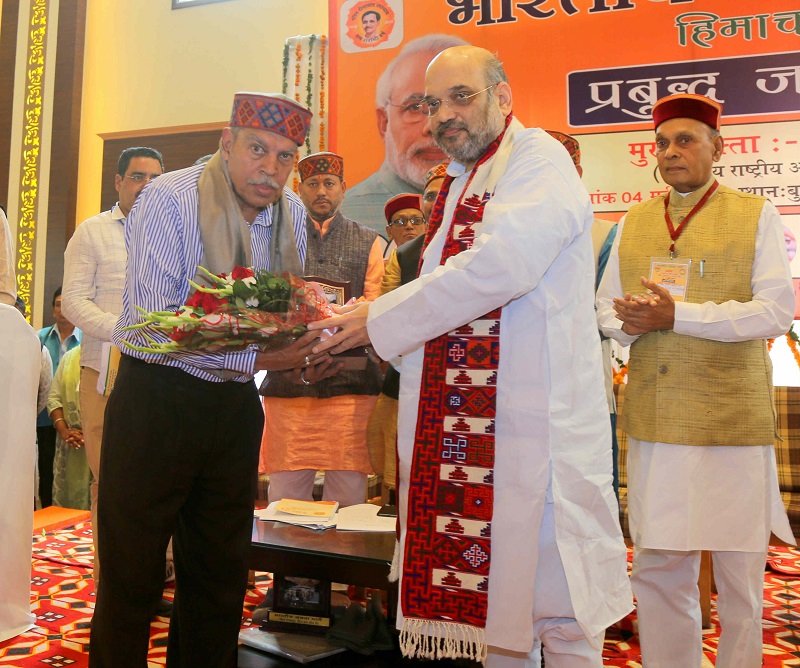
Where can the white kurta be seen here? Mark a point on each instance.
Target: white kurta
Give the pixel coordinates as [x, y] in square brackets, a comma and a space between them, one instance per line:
[533, 256]
[721, 498]
[20, 362]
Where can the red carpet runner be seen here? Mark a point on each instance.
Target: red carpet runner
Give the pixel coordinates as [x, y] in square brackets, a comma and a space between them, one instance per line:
[62, 598]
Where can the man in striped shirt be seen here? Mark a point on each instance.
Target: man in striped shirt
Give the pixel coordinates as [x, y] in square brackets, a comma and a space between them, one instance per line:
[181, 450]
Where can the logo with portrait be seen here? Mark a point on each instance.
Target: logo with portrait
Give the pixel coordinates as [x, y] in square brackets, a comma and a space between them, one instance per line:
[371, 25]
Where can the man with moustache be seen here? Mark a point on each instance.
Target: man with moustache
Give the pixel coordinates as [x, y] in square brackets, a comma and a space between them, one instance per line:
[181, 459]
[698, 407]
[409, 149]
[312, 426]
[509, 530]
[370, 22]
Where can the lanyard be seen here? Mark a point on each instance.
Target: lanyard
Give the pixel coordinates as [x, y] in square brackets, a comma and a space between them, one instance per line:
[675, 233]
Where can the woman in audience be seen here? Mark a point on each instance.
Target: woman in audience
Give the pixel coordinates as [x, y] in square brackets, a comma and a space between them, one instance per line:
[71, 473]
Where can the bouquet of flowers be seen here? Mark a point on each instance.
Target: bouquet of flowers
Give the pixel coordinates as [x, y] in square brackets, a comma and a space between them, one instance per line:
[241, 309]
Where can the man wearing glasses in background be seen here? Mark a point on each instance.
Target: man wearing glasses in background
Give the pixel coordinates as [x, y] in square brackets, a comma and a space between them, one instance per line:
[410, 150]
[509, 535]
[404, 219]
[91, 298]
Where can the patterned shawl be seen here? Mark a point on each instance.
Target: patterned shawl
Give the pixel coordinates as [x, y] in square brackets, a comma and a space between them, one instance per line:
[444, 593]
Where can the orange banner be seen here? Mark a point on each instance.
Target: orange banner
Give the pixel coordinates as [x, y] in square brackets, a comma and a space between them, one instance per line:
[591, 68]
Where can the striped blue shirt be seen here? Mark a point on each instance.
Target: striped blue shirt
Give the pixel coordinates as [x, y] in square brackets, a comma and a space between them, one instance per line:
[162, 236]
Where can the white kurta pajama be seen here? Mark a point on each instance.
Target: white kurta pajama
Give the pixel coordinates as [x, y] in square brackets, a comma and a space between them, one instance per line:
[20, 364]
[720, 498]
[533, 256]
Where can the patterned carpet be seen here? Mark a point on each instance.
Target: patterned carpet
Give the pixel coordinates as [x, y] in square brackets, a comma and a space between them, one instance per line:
[62, 595]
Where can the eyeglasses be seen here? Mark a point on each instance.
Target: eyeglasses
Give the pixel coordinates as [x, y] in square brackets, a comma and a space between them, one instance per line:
[431, 105]
[142, 178]
[402, 222]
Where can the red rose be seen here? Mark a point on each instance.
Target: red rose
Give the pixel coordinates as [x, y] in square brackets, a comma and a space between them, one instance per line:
[195, 299]
[239, 273]
[212, 303]
[209, 303]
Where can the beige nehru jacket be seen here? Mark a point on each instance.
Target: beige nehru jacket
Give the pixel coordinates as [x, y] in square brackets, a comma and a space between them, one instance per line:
[684, 389]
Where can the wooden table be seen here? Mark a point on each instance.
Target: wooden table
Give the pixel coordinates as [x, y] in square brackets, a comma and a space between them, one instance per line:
[351, 557]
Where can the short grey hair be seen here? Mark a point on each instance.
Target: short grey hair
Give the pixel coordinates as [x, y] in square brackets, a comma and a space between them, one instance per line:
[434, 42]
[494, 71]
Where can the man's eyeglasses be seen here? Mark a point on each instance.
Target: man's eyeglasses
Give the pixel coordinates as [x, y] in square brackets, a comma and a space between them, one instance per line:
[402, 222]
[431, 105]
[141, 178]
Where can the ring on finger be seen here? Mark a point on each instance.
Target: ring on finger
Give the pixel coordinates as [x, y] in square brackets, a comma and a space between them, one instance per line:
[308, 361]
[303, 378]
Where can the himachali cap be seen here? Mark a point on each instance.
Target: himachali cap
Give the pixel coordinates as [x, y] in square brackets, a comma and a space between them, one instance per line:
[321, 163]
[686, 105]
[276, 113]
[400, 202]
[570, 143]
[438, 172]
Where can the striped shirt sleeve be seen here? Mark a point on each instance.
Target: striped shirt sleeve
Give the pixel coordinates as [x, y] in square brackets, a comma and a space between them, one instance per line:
[164, 250]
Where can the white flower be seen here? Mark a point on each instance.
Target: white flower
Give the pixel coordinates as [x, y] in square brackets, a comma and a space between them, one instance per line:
[252, 302]
[250, 280]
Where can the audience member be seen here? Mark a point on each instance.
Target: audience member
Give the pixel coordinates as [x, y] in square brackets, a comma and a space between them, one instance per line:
[322, 425]
[94, 275]
[57, 339]
[404, 219]
[71, 474]
[182, 457]
[499, 341]
[411, 250]
[701, 467]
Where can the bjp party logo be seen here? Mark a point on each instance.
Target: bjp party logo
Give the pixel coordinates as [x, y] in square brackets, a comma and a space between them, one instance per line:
[371, 24]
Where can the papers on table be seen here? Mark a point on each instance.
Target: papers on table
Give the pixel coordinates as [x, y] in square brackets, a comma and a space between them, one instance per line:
[320, 509]
[311, 514]
[361, 517]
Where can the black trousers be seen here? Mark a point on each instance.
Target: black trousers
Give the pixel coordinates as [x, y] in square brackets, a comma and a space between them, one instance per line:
[180, 458]
[46, 443]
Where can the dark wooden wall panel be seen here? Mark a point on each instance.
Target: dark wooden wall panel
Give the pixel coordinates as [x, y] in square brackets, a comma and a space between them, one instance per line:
[181, 147]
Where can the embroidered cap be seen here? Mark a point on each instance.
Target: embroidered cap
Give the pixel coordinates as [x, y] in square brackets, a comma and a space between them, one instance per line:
[438, 172]
[687, 105]
[400, 202]
[276, 113]
[321, 163]
[569, 142]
